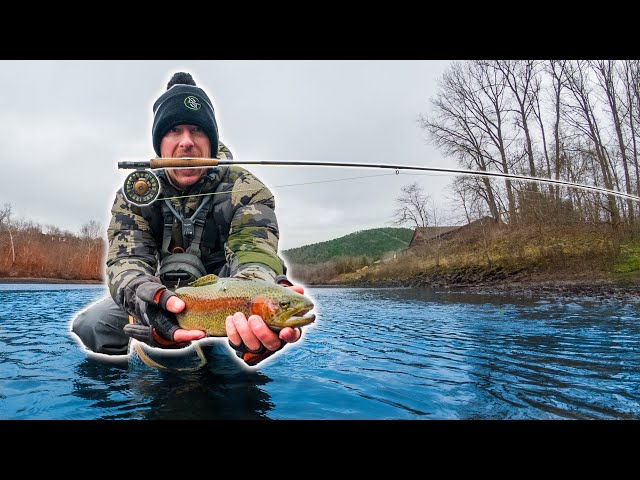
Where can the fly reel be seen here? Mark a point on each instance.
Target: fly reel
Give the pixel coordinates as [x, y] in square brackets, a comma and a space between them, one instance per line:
[141, 187]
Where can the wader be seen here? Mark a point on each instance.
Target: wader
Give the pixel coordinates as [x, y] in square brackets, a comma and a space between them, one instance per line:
[100, 330]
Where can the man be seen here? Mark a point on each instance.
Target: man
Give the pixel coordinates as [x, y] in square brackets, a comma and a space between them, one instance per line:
[186, 234]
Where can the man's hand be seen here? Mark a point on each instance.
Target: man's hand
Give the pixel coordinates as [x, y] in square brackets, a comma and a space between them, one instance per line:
[155, 322]
[252, 338]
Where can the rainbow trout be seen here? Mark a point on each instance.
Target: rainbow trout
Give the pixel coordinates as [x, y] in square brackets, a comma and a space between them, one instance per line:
[210, 300]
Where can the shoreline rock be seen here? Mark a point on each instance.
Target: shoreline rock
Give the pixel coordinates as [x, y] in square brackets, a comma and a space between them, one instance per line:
[597, 289]
[47, 280]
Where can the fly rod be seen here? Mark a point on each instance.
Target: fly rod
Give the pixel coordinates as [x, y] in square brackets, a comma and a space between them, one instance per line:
[142, 186]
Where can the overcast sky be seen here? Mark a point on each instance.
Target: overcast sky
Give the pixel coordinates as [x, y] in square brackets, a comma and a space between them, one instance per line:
[66, 124]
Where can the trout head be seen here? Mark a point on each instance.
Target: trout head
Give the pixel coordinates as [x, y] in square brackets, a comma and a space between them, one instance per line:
[283, 308]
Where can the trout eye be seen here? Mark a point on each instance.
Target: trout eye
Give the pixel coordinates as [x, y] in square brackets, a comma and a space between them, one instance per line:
[284, 304]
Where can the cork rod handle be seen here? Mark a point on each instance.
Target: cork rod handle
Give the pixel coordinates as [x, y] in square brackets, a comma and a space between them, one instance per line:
[183, 162]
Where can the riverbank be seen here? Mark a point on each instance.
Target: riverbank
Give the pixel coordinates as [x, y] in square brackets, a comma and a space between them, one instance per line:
[552, 260]
[598, 289]
[47, 280]
[564, 286]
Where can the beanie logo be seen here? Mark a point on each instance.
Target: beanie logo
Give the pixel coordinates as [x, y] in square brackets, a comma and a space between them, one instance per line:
[192, 103]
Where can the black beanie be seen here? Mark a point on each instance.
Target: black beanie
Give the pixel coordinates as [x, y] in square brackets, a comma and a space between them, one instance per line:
[183, 102]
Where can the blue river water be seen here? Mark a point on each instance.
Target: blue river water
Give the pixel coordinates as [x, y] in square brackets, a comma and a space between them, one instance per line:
[372, 354]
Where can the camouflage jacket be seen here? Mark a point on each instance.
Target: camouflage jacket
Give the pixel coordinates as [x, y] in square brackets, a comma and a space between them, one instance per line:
[243, 215]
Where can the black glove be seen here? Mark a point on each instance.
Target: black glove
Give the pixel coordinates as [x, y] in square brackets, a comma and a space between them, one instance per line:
[253, 357]
[283, 280]
[146, 299]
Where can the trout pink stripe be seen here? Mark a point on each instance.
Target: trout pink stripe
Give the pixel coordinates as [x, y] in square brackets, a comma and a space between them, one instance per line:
[237, 304]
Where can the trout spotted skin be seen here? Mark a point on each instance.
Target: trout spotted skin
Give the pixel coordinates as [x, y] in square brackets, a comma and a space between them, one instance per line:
[210, 300]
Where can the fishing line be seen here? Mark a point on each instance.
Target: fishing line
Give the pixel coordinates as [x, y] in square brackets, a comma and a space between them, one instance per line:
[283, 186]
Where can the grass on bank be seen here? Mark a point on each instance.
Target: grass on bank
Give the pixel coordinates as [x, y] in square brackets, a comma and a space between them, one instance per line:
[492, 253]
[626, 268]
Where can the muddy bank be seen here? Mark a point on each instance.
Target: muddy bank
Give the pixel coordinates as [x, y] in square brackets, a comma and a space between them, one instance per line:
[47, 280]
[499, 282]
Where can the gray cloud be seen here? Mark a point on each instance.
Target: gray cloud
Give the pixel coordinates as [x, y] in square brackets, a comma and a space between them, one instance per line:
[66, 124]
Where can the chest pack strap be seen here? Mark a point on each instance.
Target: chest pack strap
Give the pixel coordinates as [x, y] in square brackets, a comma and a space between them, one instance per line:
[192, 227]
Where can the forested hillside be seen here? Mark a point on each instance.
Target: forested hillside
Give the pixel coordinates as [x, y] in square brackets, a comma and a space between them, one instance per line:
[372, 244]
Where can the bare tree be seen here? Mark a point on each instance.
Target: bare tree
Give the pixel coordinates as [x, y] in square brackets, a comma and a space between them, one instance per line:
[92, 238]
[557, 71]
[469, 193]
[5, 222]
[520, 78]
[53, 231]
[413, 206]
[454, 128]
[573, 120]
[5, 214]
[605, 74]
[582, 116]
[490, 108]
[91, 230]
[631, 73]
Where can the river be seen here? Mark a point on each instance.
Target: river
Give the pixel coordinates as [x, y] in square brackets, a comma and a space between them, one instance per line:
[372, 354]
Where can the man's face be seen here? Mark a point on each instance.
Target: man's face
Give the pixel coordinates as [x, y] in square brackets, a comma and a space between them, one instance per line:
[185, 141]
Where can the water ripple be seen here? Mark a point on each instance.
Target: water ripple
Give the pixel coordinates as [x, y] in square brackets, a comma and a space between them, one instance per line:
[372, 354]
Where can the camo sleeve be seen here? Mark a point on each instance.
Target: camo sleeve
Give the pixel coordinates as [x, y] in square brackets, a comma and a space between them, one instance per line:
[223, 152]
[132, 248]
[252, 246]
